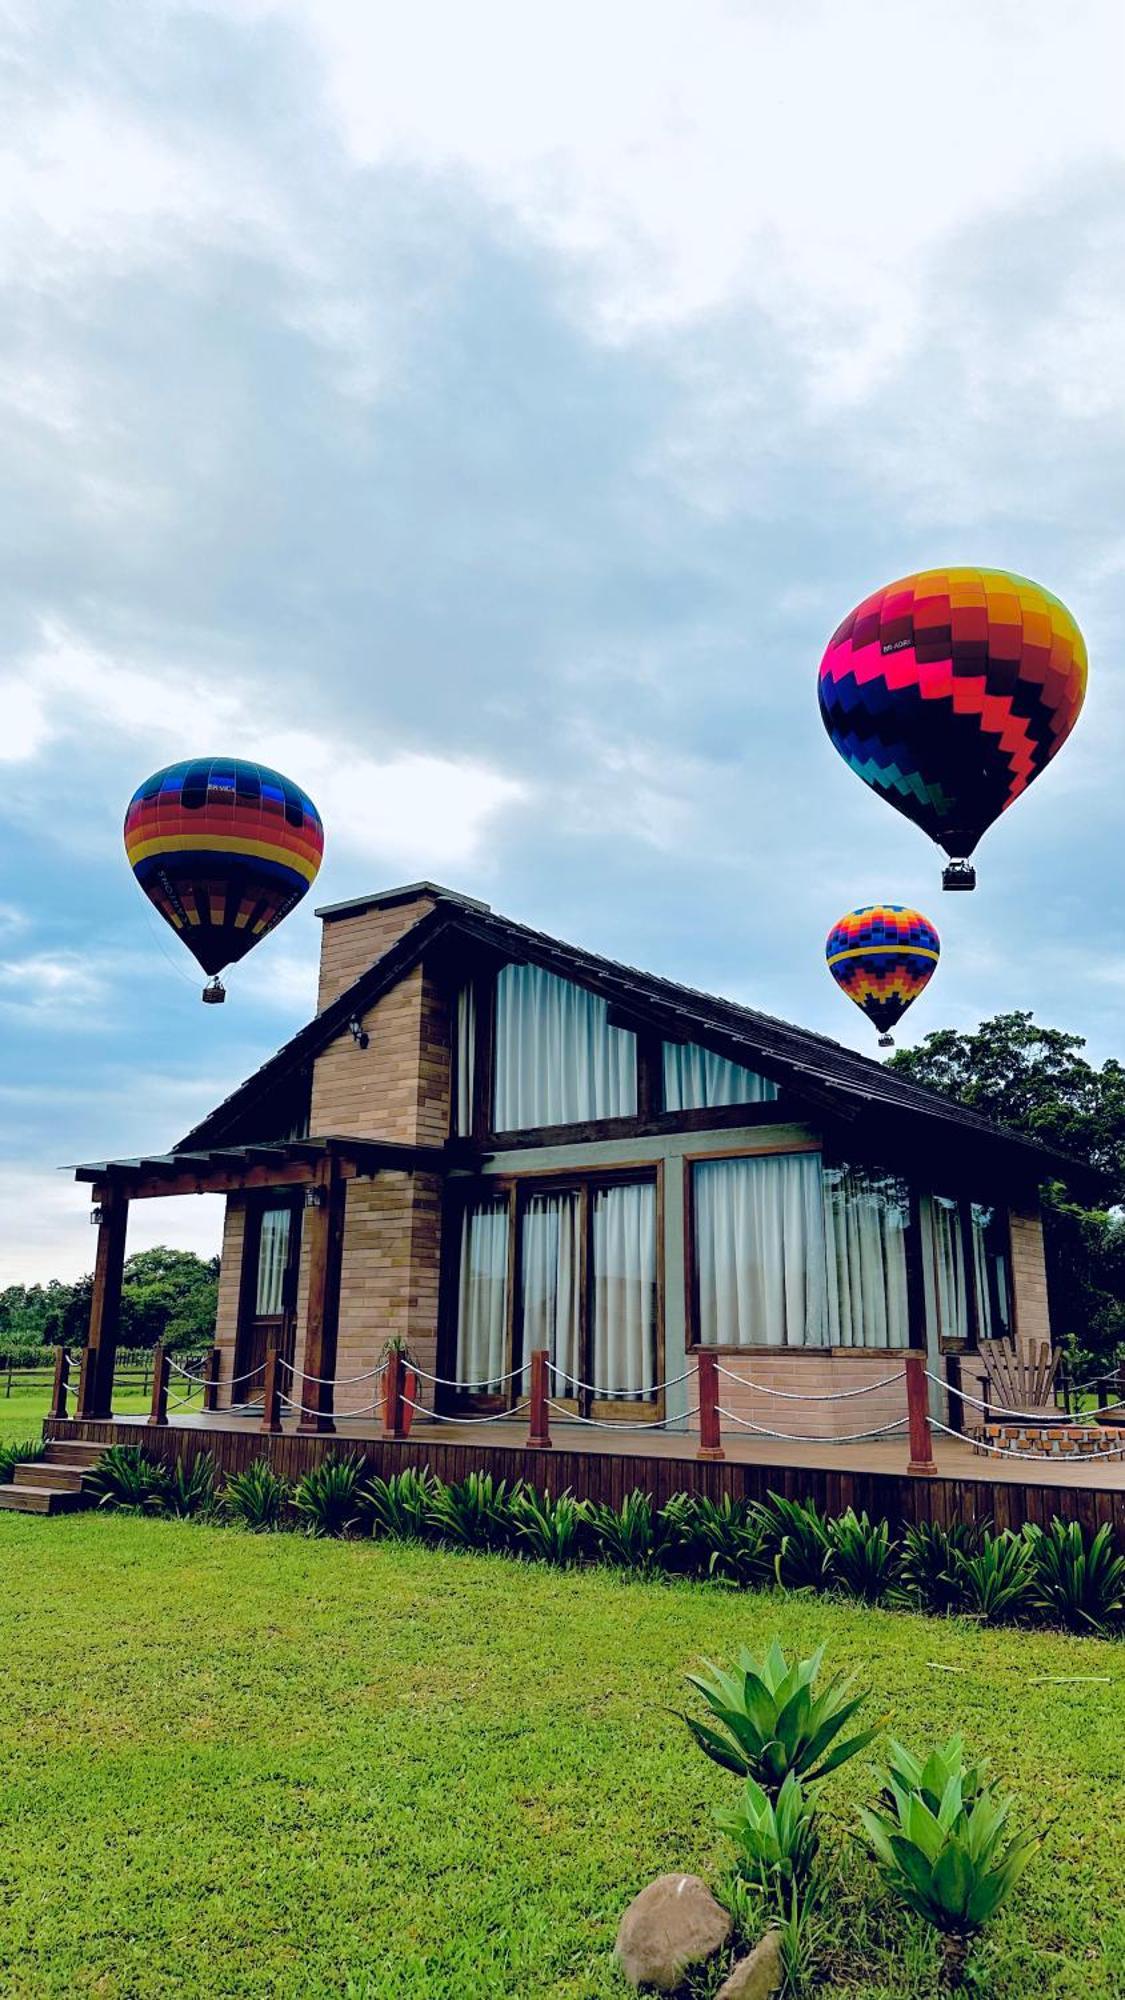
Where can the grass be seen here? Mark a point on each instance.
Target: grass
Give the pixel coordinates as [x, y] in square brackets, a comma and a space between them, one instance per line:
[22, 1412]
[243, 1766]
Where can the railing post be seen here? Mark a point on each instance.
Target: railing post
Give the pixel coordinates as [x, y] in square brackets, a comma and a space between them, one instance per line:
[211, 1380]
[271, 1393]
[62, 1377]
[918, 1415]
[538, 1427]
[158, 1410]
[394, 1424]
[710, 1435]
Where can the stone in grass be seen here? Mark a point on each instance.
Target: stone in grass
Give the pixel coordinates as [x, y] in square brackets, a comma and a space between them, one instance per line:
[671, 1926]
[760, 1975]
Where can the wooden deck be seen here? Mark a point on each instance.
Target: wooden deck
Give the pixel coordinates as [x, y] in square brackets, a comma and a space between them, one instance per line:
[606, 1464]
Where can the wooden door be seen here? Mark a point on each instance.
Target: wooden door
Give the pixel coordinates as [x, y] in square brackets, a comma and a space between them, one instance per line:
[268, 1305]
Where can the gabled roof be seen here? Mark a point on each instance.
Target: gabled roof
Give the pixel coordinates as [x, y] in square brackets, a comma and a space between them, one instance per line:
[810, 1066]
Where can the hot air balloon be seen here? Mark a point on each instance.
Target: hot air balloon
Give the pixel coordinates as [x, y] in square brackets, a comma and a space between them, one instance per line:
[882, 956]
[224, 850]
[948, 692]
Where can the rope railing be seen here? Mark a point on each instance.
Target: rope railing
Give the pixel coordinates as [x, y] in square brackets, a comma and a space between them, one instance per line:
[1000, 1410]
[334, 1381]
[452, 1381]
[438, 1417]
[619, 1395]
[801, 1396]
[613, 1424]
[794, 1437]
[301, 1409]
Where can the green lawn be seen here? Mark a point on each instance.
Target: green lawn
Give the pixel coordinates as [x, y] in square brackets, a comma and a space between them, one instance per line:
[22, 1412]
[273, 1766]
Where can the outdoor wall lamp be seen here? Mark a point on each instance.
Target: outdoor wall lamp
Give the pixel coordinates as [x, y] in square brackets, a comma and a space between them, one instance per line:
[315, 1197]
[95, 1216]
[358, 1032]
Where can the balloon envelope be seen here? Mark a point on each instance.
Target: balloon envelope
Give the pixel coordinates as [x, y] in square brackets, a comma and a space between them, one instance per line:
[949, 691]
[882, 956]
[224, 849]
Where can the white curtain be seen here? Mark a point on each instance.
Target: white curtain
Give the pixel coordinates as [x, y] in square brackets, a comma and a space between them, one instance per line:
[550, 1268]
[482, 1306]
[759, 1246]
[866, 1217]
[558, 1061]
[624, 1248]
[994, 1313]
[949, 1268]
[696, 1079]
[273, 1252]
[466, 1058]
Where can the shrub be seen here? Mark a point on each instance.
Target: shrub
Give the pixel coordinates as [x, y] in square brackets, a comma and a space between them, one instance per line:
[475, 1513]
[22, 1452]
[906, 1773]
[256, 1498]
[547, 1530]
[327, 1497]
[771, 1721]
[801, 1544]
[776, 1839]
[730, 1539]
[401, 1506]
[862, 1557]
[1078, 1585]
[996, 1584]
[126, 1478]
[952, 1863]
[189, 1491]
[634, 1535]
[929, 1565]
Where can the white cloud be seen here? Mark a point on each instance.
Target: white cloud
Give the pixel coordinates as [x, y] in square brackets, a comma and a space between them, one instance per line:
[52, 988]
[45, 1227]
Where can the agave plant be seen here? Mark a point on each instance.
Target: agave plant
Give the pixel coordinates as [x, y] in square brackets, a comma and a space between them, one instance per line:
[953, 1862]
[1075, 1584]
[996, 1584]
[401, 1506]
[907, 1773]
[257, 1497]
[929, 1565]
[547, 1530]
[189, 1491]
[634, 1535]
[23, 1451]
[732, 1538]
[771, 1722]
[474, 1513]
[126, 1478]
[327, 1496]
[802, 1546]
[862, 1555]
[776, 1838]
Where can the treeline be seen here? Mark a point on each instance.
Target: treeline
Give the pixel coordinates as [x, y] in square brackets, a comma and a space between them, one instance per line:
[167, 1295]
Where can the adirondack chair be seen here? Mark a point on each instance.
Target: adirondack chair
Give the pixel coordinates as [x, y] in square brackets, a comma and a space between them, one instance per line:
[1020, 1378]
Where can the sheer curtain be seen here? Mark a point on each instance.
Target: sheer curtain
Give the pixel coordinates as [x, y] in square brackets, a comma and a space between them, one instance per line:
[624, 1250]
[558, 1061]
[551, 1268]
[466, 1050]
[483, 1297]
[696, 1080]
[759, 1247]
[866, 1217]
[273, 1252]
[949, 1268]
[990, 1275]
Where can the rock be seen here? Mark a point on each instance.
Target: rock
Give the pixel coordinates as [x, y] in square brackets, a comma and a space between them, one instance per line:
[756, 1977]
[672, 1925]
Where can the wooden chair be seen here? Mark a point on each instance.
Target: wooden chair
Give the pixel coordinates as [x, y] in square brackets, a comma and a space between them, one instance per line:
[1020, 1378]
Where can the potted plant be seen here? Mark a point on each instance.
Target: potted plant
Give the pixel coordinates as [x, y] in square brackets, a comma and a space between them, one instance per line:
[408, 1382]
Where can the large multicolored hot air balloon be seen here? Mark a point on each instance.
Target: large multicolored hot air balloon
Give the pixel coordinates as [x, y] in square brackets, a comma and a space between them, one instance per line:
[224, 850]
[948, 692]
[882, 956]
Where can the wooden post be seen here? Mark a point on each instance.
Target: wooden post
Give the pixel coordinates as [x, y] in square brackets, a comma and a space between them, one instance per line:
[158, 1410]
[62, 1377]
[707, 1375]
[918, 1413]
[95, 1396]
[394, 1425]
[538, 1428]
[271, 1394]
[211, 1380]
[324, 1236]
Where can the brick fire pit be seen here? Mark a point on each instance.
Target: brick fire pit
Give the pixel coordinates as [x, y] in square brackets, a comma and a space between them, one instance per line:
[1052, 1440]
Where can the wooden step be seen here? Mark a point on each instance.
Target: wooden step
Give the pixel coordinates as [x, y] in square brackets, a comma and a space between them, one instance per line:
[71, 1451]
[61, 1478]
[42, 1500]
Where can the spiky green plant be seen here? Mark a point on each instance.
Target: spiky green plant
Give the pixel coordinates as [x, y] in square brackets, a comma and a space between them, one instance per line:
[996, 1583]
[802, 1546]
[951, 1863]
[22, 1451]
[189, 1491]
[929, 1565]
[474, 1513]
[634, 1535]
[546, 1529]
[862, 1556]
[126, 1478]
[256, 1498]
[907, 1773]
[776, 1839]
[772, 1721]
[731, 1538]
[400, 1507]
[326, 1498]
[1074, 1582]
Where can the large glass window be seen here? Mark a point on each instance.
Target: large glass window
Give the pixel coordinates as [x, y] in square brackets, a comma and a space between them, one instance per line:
[866, 1220]
[483, 1295]
[557, 1060]
[273, 1256]
[951, 1302]
[990, 1272]
[696, 1079]
[624, 1264]
[550, 1266]
[760, 1251]
[464, 1066]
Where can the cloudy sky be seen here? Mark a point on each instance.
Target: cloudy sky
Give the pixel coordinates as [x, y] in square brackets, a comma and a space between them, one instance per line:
[486, 413]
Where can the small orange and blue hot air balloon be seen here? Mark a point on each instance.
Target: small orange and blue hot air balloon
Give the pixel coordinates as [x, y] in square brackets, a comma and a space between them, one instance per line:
[882, 956]
[223, 849]
[948, 693]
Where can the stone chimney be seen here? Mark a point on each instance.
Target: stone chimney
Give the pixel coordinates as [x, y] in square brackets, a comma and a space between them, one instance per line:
[356, 934]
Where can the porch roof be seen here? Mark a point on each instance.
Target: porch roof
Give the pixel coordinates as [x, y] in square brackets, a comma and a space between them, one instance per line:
[269, 1163]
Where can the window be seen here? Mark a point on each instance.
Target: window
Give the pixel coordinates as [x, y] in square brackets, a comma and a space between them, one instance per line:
[551, 1264]
[557, 1060]
[950, 1293]
[990, 1272]
[465, 1061]
[624, 1268]
[866, 1220]
[759, 1249]
[483, 1295]
[696, 1079]
[273, 1257]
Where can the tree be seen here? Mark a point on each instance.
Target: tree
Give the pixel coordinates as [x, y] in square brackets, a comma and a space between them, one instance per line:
[167, 1295]
[1037, 1081]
